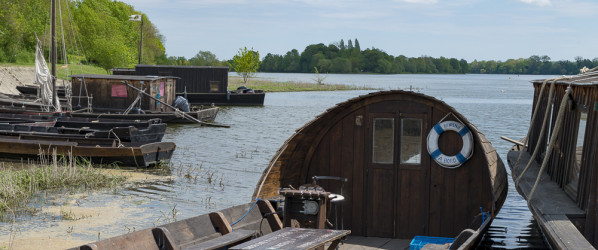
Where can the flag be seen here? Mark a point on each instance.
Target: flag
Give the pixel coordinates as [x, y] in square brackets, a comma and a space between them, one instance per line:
[135, 18]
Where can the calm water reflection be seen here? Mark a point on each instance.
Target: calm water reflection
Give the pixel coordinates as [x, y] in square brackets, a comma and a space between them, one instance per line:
[214, 168]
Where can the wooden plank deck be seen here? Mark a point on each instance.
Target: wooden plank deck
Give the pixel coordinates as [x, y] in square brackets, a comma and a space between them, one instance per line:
[366, 243]
[550, 205]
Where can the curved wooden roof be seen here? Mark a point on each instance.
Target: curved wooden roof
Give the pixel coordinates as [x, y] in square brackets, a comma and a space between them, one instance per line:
[333, 143]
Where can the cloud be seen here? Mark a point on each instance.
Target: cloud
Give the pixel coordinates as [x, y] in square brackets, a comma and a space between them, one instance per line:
[419, 1]
[538, 2]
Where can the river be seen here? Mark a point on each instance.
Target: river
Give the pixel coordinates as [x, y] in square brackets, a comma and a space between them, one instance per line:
[214, 168]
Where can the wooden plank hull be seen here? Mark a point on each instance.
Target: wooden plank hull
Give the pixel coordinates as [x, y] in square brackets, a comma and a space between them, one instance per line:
[153, 133]
[551, 207]
[204, 115]
[224, 99]
[135, 155]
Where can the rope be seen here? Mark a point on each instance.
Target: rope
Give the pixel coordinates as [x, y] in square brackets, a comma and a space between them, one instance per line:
[541, 137]
[120, 145]
[232, 224]
[134, 157]
[557, 128]
[529, 130]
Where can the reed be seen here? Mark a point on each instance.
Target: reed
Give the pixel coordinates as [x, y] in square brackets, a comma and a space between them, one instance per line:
[17, 186]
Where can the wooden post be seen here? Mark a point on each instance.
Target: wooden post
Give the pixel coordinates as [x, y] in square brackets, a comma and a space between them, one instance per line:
[53, 52]
[220, 223]
[270, 214]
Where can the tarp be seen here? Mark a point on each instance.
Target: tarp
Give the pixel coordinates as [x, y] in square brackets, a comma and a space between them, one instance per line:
[44, 79]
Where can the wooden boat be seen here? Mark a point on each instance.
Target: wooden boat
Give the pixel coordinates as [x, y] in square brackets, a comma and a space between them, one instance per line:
[201, 85]
[65, 121]
[203, 115]
[98, 151]
[393, 189]
[151, 96]
[554, 167]
[405, 194]
[153, 133]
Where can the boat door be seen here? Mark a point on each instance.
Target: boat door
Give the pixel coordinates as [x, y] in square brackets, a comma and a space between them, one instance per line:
[397, 175]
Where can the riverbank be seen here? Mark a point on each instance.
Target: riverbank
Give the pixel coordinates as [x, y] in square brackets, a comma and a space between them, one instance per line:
[69, 212]
[289, 86]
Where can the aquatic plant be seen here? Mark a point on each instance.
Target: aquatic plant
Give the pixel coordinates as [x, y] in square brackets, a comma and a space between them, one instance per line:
[19, 184]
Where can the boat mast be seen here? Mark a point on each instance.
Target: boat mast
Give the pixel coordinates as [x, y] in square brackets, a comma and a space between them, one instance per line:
[53, 52]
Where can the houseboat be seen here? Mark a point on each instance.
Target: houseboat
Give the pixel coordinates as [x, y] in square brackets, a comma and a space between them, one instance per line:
[132, 97]
[554, 166]
[201, 85]
[393, 169]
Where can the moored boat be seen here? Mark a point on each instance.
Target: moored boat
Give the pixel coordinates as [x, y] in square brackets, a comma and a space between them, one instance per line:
[201, 85]
[377, 143]
[554, 166]
[134, 97]
[153, 133]
[98, 151]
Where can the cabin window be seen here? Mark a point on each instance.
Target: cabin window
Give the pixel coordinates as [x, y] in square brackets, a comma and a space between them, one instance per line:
[411, 141]
[383, 142]
[575, 166]
[214, 86]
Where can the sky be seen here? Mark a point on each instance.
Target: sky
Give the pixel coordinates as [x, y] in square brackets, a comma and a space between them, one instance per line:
[462, 29]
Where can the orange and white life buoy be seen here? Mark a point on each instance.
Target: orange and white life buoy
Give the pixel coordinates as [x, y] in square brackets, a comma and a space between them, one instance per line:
[450, 161]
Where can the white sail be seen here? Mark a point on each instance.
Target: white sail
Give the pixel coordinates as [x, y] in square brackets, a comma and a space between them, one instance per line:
[44, 79]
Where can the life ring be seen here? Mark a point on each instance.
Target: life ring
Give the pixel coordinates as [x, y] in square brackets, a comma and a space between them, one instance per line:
[450, 161]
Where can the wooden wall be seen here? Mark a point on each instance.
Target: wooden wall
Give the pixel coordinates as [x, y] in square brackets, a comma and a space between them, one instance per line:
[582, 99]
[396, 200]
[101, 91]
[195, 78]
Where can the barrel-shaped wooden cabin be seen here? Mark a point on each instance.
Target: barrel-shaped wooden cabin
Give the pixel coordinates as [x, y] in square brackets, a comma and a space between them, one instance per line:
[395, 189]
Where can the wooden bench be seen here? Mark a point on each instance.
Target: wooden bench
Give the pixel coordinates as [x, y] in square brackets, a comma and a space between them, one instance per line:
[182, 235]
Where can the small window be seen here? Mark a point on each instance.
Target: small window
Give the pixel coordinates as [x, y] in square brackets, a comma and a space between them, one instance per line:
[214, 86]
[411, 141]
[383, 142]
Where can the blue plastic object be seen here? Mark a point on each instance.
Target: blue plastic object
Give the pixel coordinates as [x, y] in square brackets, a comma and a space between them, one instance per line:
[420, 241]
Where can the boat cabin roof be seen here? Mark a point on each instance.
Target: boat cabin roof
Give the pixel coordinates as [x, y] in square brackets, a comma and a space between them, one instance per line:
[121, 77]
[586, 79]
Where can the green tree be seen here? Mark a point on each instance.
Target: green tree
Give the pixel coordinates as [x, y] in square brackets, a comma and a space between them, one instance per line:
[205, 58]
[246, 63]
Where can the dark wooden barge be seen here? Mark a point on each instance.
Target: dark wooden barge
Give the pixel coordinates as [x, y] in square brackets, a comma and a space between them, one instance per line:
[393, 189]
[97, 151]
[109, 96]
[203, 85]
[153, 133]
[557, 160]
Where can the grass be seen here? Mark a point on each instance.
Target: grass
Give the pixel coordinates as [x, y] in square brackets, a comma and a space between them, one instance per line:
[62, 72]
[291, 86]
[17, 186]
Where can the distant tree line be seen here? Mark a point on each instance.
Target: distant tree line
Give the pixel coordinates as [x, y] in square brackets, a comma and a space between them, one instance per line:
[533, 65]
[350, 58]
[341, 58]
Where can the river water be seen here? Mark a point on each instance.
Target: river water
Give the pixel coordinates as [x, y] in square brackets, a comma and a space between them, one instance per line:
[214, 168]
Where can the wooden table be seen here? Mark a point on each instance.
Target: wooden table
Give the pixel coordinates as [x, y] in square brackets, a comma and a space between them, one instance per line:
[296, 238]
